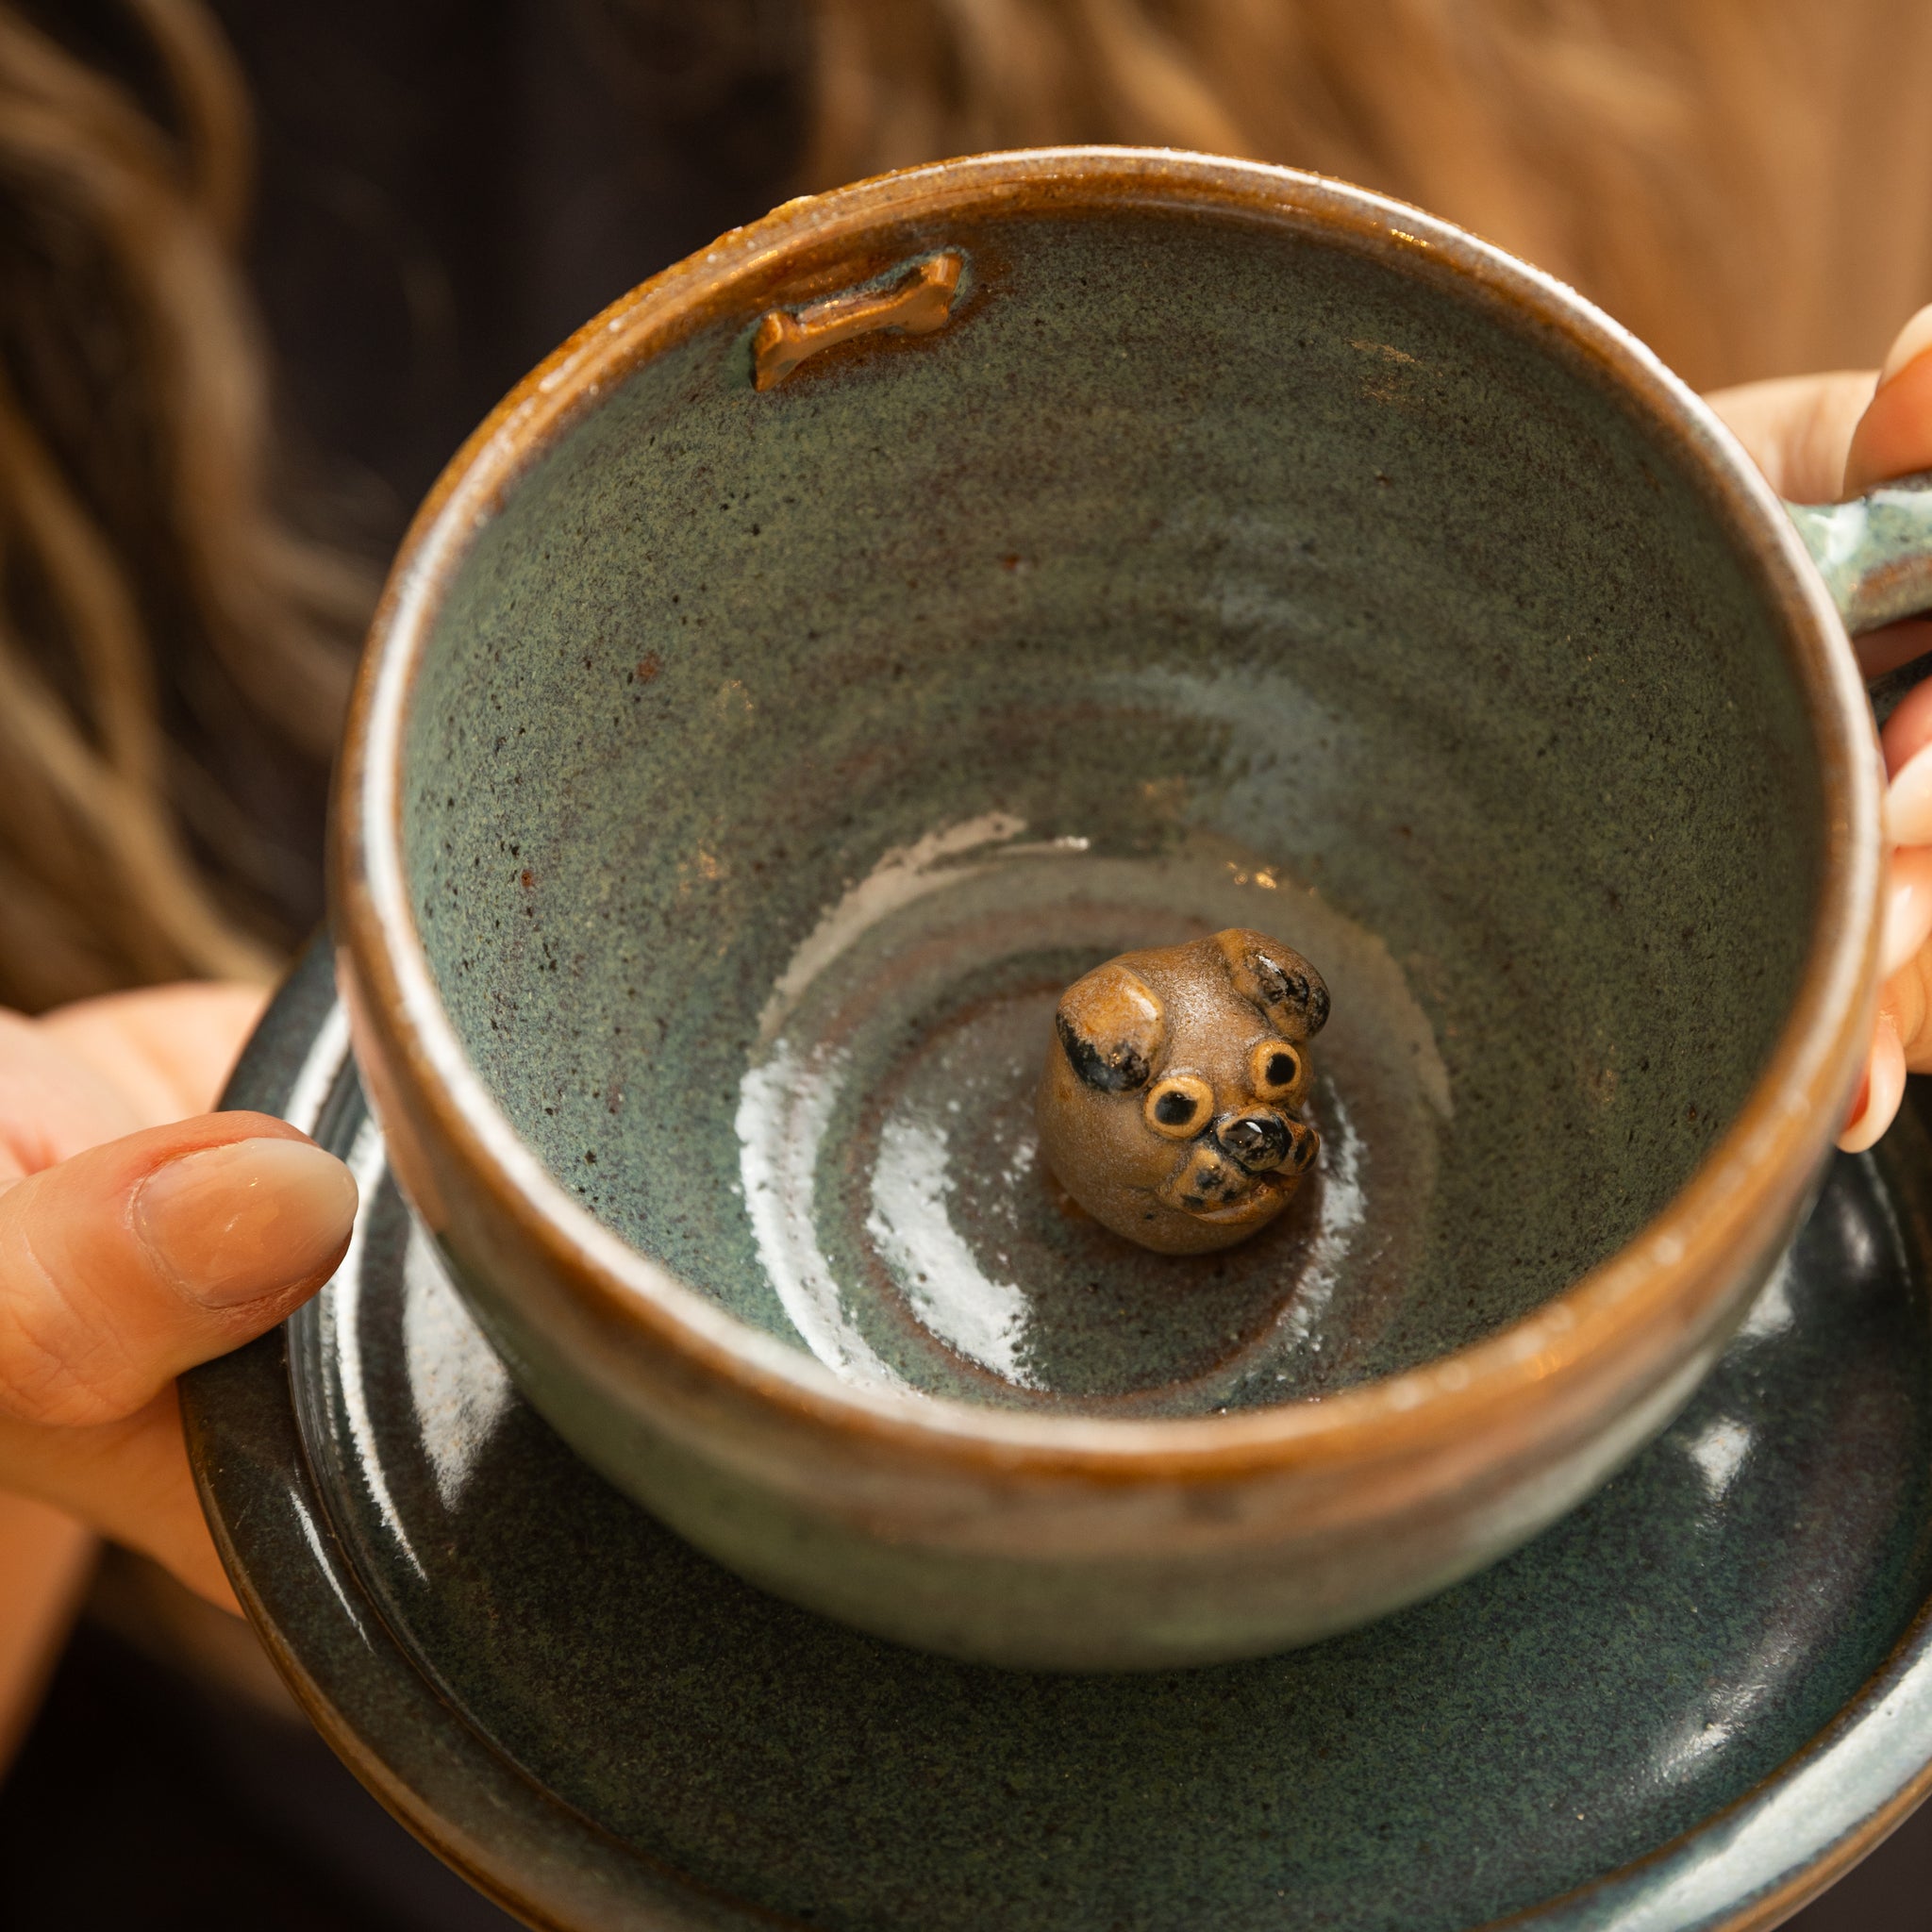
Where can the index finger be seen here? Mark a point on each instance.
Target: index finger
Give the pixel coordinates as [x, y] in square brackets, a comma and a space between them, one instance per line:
[1797, 428]
[52, 1105]
[1893, 437]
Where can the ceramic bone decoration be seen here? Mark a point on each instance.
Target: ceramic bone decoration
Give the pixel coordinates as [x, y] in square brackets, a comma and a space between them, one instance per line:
[1170, 1105]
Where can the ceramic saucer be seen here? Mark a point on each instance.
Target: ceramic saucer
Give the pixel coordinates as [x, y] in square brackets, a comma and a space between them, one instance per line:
[1689, 1704]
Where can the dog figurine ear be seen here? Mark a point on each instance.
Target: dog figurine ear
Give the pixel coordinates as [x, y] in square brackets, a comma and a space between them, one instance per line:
[1111, 1026]
[1278, 979]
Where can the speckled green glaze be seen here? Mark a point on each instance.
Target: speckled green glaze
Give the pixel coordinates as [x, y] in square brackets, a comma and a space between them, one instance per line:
[1184, 536]
[1678, 1710]
[1875, 552]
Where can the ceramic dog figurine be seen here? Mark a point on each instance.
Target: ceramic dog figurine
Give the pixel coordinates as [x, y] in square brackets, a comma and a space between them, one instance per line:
[1169, 1106]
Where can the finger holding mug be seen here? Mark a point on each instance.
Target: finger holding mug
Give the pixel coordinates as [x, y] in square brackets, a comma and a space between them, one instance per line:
[1893, 439]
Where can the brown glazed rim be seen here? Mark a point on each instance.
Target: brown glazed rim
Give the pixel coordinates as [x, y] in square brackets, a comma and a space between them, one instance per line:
[1638, 1313]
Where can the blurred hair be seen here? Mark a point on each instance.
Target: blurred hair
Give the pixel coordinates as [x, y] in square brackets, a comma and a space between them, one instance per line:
[134, 506]
[1747, 184]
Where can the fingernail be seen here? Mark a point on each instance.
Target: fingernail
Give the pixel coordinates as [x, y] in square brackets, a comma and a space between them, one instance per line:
[1908, 801]
[233, 1223]
[1855, 1114]
[1907, 909]
[1910, 343]
[1885, 1088]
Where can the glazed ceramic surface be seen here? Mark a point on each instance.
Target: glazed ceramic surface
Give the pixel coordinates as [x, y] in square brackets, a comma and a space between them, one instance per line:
[1407, 612]
[741, 771]
[1686, 1706]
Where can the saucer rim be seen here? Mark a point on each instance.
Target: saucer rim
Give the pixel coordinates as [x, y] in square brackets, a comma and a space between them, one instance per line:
[377, 1707]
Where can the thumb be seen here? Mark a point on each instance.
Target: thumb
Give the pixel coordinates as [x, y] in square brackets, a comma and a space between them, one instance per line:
[121, 1266]
[1893, 437]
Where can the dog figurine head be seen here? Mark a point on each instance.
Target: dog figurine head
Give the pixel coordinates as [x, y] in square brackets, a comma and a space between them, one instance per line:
[1170, 1104]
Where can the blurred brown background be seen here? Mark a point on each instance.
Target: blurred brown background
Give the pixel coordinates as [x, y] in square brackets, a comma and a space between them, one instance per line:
[421, 199]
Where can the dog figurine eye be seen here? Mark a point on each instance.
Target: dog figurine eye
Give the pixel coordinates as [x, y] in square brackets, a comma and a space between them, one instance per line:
[1277, 1071]
[1179, 1106]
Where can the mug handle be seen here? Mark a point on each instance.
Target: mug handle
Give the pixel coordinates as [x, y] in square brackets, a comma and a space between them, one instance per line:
[1873, 552]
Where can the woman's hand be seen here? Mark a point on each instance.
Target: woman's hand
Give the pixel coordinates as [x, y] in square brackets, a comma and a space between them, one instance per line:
[135, 1243]
[1818, 437]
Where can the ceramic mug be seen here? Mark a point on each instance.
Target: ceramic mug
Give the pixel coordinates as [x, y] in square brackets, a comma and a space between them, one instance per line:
[930, 590]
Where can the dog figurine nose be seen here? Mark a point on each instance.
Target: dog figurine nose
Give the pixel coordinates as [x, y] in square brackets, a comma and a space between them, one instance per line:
[1258, 1142]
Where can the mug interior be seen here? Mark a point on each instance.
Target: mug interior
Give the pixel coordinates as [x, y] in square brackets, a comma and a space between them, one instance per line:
[776, 757]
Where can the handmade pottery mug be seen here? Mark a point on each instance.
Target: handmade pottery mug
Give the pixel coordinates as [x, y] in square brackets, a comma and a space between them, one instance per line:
[944, 585]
